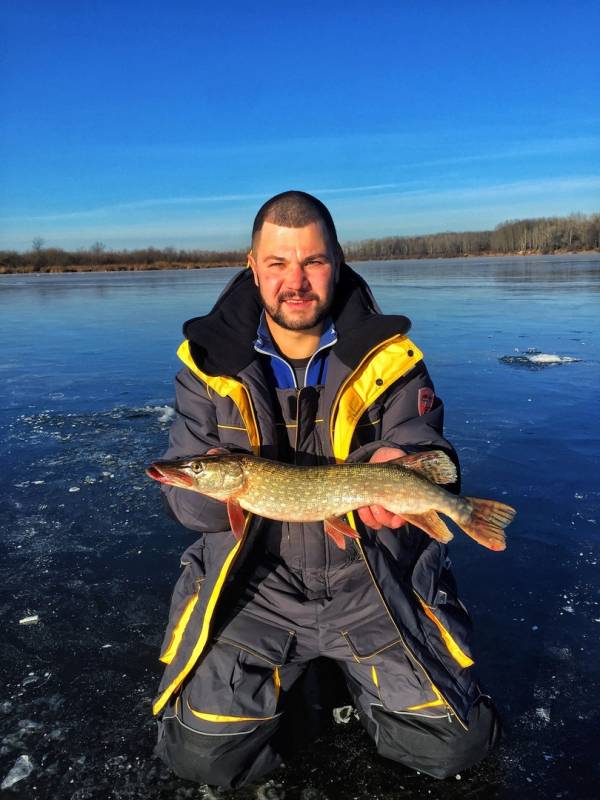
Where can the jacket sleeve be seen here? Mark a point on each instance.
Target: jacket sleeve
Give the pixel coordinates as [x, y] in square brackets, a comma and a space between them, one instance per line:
[193, 432]
[402, 424]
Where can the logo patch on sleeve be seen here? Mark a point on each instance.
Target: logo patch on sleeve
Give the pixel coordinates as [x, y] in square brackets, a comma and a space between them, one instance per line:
[425, 400]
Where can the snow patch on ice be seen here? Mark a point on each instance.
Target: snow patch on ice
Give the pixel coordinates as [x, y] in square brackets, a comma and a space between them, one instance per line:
[549, 358]
[22, 769]
[167, 414]
[535, 358]
[344, 714]
[543, 714]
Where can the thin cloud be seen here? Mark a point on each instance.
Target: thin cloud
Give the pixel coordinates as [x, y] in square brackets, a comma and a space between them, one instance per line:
[493, 191]
[362, 205]
[542, 147]
[134, 205]
[375, 140]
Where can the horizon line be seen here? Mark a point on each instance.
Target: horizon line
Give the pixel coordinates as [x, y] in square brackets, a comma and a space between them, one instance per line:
[346, 242]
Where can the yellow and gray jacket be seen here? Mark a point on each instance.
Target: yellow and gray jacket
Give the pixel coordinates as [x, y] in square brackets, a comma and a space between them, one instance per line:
[370, 398]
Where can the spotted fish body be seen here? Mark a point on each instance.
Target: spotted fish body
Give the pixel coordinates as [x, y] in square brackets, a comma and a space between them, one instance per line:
[307, 494]
[406, 486]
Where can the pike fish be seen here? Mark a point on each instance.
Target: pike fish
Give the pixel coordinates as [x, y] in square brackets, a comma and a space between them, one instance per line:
[407, 486]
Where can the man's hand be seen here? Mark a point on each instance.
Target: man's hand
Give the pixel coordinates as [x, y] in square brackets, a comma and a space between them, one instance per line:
[377, 516]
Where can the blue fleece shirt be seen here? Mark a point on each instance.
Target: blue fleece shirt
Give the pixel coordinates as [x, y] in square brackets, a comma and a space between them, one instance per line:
[283, 373]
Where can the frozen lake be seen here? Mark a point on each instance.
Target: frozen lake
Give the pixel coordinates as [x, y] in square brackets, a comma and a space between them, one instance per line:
[513, 346]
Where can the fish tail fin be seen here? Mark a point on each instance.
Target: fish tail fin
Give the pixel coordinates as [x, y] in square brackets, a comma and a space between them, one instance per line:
[432, 524]
[487, 522]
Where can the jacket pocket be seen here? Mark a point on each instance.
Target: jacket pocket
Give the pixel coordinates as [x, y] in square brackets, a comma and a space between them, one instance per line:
[384, 669]
[183, 601]
[447, 621]
[238, 682]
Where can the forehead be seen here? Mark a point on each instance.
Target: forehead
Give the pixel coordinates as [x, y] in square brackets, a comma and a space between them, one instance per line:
[276, 239]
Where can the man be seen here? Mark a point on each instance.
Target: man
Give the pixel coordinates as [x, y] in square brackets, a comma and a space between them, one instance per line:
[296, 363]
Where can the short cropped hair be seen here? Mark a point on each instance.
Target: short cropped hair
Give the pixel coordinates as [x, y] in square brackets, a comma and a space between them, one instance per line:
[295, 209]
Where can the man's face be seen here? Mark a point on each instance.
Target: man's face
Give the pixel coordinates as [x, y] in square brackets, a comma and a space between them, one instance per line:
[295, 271]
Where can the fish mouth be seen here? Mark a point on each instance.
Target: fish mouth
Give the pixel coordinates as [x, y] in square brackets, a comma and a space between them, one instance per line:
[169, 475]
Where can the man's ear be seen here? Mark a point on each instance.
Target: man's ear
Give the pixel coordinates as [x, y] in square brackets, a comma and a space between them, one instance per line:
[252, 264]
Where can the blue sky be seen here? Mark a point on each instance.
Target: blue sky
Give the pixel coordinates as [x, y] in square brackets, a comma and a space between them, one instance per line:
[168, 124]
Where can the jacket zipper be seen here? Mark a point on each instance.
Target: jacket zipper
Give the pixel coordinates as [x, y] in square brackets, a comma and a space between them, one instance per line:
[343, 385]
[254, 420]
[298, 393]
[279, 358]
[359, 543]
[317, 351]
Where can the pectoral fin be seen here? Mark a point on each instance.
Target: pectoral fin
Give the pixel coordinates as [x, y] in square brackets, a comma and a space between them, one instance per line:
[431, 523]
[237, 520]
[338, 530]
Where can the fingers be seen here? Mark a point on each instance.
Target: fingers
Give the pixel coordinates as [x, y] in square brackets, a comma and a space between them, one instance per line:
[396, 521]
[386, 454]
[377, 517]
[386, 518]
[366, 515]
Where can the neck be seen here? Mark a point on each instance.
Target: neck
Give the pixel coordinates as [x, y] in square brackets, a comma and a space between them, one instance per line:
[295, 344]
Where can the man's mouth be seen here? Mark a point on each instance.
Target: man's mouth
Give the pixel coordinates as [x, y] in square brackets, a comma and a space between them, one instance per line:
[299, 302]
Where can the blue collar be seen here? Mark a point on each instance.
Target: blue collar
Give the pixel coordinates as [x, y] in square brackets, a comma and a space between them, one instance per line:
[316, 369]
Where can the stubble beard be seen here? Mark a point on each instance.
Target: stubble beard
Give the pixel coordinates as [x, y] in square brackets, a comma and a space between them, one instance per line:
[278, 315]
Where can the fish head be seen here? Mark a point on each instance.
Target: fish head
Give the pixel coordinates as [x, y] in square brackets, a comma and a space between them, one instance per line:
[218, 476]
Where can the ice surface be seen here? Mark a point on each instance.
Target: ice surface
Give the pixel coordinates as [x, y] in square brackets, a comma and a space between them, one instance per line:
[100, 563]
[21, 770]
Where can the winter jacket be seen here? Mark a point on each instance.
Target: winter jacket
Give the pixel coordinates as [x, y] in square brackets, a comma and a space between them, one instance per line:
[371, 398]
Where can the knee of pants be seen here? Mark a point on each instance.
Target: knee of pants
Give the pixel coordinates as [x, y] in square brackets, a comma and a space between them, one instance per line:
[438, 747]
[227, 760]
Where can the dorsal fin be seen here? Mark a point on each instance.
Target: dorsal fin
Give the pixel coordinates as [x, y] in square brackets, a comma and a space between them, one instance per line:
[435, 465]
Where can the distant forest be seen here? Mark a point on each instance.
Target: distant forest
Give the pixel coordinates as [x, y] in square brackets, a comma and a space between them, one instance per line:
[577, 232]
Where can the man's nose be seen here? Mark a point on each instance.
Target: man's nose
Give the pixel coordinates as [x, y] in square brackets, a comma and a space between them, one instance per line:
[296, 277]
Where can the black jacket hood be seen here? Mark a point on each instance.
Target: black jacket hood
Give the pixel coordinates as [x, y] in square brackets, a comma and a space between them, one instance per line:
[222, 342]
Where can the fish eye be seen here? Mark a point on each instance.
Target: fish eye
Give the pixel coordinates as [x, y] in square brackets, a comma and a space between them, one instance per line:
[197, 468]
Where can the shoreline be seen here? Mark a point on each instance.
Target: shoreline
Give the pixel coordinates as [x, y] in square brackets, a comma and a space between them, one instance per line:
[162, 266]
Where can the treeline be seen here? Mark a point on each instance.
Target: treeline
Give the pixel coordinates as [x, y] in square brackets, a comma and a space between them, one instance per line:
[540, 235]
[98, 257]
